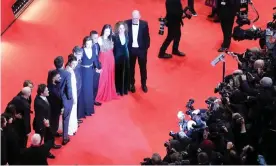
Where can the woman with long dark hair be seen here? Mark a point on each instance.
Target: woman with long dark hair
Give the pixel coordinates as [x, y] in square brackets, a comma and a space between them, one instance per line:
[86, 98]
[73, 120]
[121, 58]
[106, 90]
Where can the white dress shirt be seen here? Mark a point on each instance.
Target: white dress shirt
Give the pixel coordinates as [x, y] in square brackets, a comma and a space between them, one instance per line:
[135, 30]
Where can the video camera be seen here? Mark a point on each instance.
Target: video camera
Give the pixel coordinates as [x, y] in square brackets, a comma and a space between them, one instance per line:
[253, 33]
[163, 21]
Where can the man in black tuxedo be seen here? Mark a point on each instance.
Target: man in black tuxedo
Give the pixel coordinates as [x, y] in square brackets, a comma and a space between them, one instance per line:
[227, 11]
[174, 16]
[42, 110]
[37, 154]
[65, 93]
[27, 83]
[96, 50]
[23, 126]
[139, 42]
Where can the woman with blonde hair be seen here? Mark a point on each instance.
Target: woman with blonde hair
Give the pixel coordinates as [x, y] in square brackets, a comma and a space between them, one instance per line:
[121, 58]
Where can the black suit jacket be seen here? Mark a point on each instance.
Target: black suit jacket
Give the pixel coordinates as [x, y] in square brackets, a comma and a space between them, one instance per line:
[42, 111]
[174, 11]
[12, 144]
[143, 35]
[36, 155]
[55, 99]
[30, 98]
[22, 105]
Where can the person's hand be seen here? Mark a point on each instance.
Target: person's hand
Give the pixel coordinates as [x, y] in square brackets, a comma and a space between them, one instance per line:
[230, 145]
[62, 111]
[205, 134]
[243, 77]
[272, 39]
[18, 116]
[260, 71]
[242, 121]
[28, 134]
[46, 123]
[225, 129]
[98, 70]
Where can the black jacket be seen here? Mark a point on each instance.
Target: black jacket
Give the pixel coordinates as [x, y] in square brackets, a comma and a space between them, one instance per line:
[174, 11]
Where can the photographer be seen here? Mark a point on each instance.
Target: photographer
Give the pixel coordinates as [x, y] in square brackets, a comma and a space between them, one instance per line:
[174, 15]
[227, 10]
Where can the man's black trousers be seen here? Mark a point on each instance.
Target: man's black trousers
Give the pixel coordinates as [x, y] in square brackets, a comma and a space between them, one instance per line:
[174, 34]
[226, 22]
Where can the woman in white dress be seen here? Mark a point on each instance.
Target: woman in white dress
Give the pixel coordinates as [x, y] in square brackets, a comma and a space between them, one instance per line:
[73, 121]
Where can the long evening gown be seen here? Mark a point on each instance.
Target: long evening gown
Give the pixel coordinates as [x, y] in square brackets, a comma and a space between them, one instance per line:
[122, 79]
[107, 90]
[73, 120]
[86, 98]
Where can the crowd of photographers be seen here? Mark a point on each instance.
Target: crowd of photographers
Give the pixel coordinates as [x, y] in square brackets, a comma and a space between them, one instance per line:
[237, 128]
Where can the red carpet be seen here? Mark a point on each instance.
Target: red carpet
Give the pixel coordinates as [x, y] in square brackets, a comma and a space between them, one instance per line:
[135, 126]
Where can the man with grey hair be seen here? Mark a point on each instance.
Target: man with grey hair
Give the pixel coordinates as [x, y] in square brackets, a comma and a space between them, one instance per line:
[23, 126]
[37, 154]
[138, 45]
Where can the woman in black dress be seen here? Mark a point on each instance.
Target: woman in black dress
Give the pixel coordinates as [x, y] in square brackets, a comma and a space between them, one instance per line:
[121, 58]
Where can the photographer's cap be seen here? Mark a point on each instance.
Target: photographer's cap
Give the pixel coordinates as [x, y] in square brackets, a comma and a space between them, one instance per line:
[266, 82]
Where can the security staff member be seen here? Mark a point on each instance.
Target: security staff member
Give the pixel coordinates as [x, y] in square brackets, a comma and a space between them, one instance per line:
[174, 21]
[227, 10]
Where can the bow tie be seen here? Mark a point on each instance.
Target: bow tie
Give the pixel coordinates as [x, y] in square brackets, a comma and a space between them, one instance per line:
[134, 24]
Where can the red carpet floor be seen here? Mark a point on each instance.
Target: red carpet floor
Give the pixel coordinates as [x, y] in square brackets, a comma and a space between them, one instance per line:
[126, 130]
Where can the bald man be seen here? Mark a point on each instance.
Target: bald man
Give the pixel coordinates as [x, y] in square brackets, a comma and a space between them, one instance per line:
[37, 154]
[138, 45]
[23, 126]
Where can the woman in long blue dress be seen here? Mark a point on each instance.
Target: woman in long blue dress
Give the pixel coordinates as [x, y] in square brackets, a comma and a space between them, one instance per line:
[86, 103]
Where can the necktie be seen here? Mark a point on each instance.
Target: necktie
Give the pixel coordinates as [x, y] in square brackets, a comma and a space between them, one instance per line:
[47, 101]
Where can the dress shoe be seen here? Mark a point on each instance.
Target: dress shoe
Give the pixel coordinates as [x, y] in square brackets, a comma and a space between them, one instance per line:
[57, 146]
[164, 56]
[58, 135]
[97, 103]
[216, 20]
[145, 88]
[194, 13]
[132, 88]
[211, 15]
[51, 156]
[65, 141]
[88, 115]
[222, 49]
[178, 53]
[80, 121]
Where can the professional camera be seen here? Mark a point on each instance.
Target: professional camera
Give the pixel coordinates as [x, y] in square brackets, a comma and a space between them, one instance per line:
[250, 34]
[147, 161]
[163, 22]
[223, 89]
[253, 33]
[187, 13]
[189, 104]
